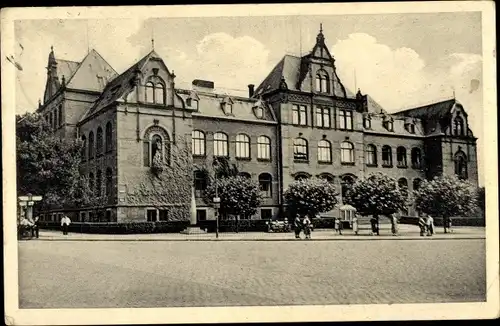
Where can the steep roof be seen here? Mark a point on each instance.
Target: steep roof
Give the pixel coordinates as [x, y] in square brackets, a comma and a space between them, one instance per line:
[431, 111]
[66, 68]
[92, 74]
[120, 85]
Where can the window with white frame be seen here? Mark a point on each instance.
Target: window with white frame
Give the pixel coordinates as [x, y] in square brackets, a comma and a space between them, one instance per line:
[242, 146]
[299, 115]
[263, 148]
[221, 144]
[345, 119]
[323, 117]
[347, 152]
[324, 151]
[198, 145]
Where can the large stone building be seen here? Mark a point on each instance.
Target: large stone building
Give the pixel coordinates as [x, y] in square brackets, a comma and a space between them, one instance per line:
[301, 121]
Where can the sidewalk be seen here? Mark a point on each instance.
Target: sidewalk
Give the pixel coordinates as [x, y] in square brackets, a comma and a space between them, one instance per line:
[406, 232]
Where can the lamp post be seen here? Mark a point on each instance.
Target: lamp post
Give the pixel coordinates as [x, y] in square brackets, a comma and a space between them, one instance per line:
[216, 201]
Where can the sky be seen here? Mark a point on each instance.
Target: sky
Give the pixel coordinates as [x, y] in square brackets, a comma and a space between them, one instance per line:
[401, 60]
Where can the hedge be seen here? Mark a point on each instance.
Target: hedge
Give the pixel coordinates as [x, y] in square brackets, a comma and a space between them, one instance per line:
[120, 228]
[438, 221]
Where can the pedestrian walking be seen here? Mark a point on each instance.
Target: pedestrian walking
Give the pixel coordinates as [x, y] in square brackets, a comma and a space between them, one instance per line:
[373, 222]
[337, 226]
[341, 226]
[35, 228]
[422, 224]
[297, 226]
[430, 226]
[447, 224]
[355, 226]
[394, 224]
[65, 222]
[307, 227]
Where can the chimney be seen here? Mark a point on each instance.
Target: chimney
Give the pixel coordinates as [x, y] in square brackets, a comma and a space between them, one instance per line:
[203, 85]
[251, 90]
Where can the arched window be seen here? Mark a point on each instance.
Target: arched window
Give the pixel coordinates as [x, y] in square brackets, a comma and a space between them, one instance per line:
[346, 184]
[371, 155]
[99, 141]
[301, 176]
[198, 144]
[150, 92]
[322, 82]
[109, 137]
[263, 148]
[387, 156]
[324, 151]
[242, 146]
[300, 149]
[159, 94]
[59, 113]
[156, 144]
[109, 181]
[200, 183]
[347, 152]
[416, 158]
[245, 175]
[458, 126]
[401, 156]
[98, 183]
[220, 144]
[416, 184]
[461, 165]
[91, 145]
[403, 186]
[83, 152]
[265, 184]
[91, 183]
[328, 177]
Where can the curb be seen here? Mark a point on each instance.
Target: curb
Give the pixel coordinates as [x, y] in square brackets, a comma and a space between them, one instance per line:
[248, 240]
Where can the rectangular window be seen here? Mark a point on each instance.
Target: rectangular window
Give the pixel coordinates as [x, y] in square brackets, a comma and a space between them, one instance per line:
[151, 215]
[163, 214]
[266, 214]
[323, 117]
[345, 119]
[299, 115]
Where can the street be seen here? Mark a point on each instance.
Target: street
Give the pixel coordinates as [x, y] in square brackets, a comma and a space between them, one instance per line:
[120, 274]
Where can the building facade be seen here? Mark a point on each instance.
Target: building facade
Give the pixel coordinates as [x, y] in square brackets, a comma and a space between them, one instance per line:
[148, 142]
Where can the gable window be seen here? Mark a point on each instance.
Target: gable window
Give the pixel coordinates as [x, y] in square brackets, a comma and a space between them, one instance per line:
[83, 152]
[99, 141]
[299, 115]
[345, 119]
[386, 156]
[300, 150]
[265, 184]
[198, 143]
[242, 146]
[322, 82]
[324, 151]
[156, 146]
[458, 126]
[150, 92]
[401, 156]
[263, 148]
[461, 165]
[416, 158]
[346, 152]
[109, 137]
[200, 184]
[371, 155]
[109, 181]
[155, 93]
[91, 145]
[323, 117]
[159, 94]
[220, 144]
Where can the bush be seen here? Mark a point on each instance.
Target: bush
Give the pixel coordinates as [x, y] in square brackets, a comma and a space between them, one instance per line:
[438, 221]
[120, 228]
[230, 225]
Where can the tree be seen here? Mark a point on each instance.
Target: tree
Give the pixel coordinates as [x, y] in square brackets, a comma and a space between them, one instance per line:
[238, 195]
[310, 197]
[481, 199]
[446, 196]
[377, 195]
[46, 164]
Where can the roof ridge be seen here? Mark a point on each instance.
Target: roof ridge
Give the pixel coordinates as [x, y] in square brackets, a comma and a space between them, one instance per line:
[94, 50]
[425, 105]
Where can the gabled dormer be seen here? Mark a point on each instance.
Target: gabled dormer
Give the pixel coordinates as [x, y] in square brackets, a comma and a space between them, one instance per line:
[227, 105]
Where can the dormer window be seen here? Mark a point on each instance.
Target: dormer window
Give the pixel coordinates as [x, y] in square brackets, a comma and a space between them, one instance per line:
[192, 100]
[322, 82]
[367, 122]
[410, 127]
[458, 126]
[259, 112]
[389, 124]
[227, 106]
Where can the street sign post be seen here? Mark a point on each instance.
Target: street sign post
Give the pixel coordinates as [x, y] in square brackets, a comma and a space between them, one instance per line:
[28, 201]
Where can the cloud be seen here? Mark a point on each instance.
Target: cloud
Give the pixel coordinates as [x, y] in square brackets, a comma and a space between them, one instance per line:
[231, 62]
[399, 78]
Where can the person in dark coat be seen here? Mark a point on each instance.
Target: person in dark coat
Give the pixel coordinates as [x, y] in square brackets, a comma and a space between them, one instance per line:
[297, 226]
[373, 222]
[341, 226]
[35, 228]
[422, 223]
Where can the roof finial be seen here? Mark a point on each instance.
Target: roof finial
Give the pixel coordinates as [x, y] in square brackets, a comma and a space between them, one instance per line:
[321, 27]
[51, 48]
[152, 38]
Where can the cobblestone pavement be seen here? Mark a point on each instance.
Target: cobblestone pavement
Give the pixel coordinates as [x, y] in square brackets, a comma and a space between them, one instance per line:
[99, 274]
